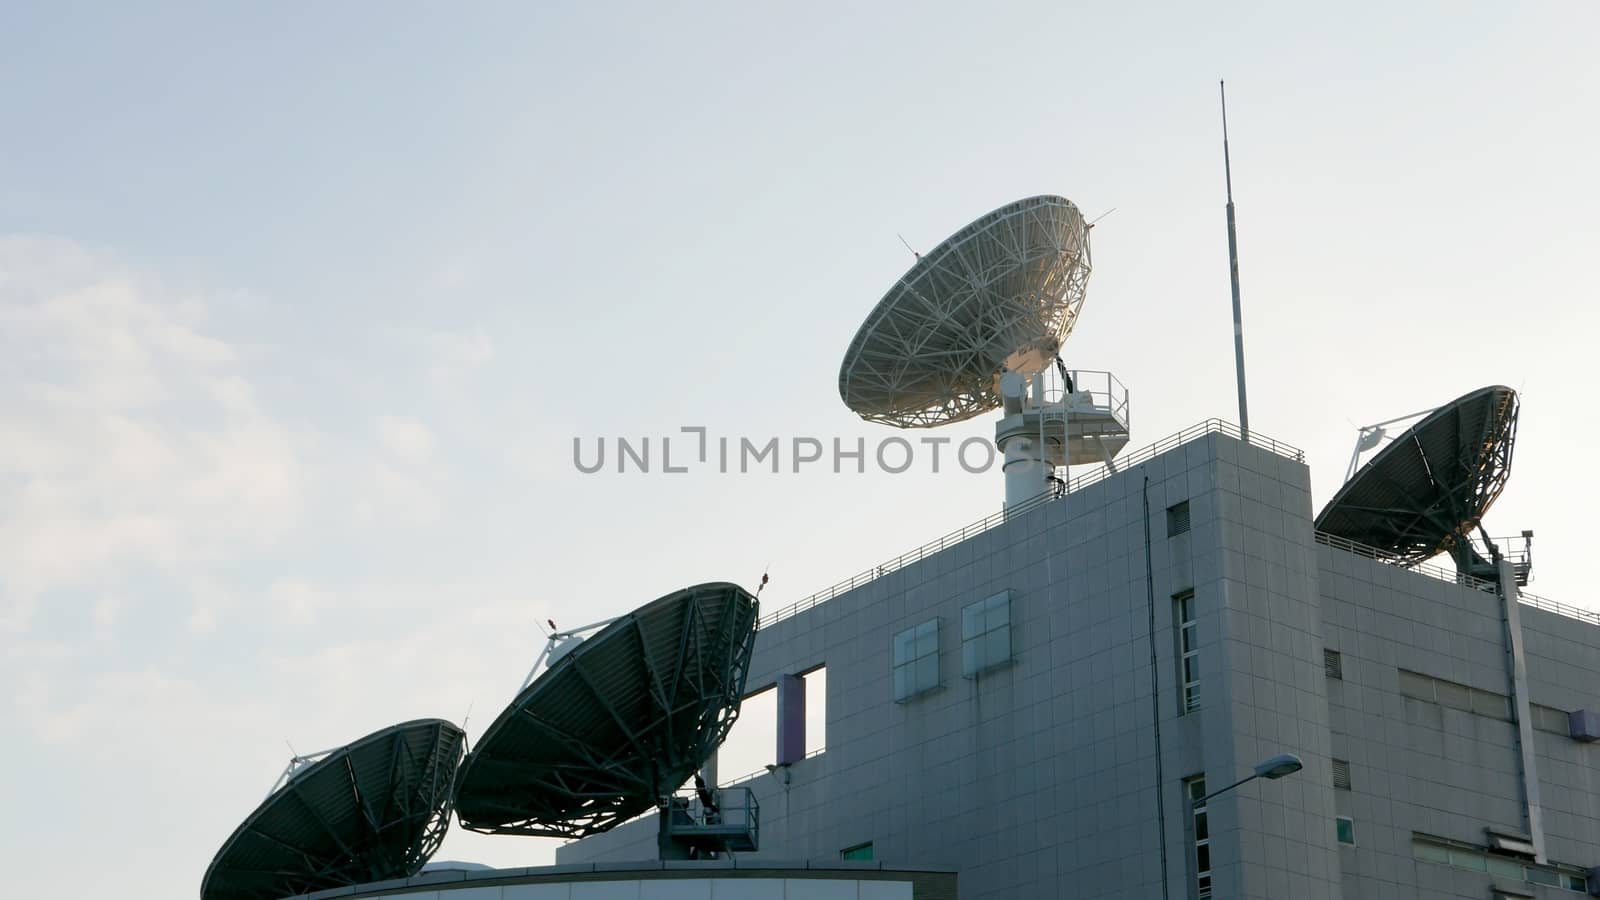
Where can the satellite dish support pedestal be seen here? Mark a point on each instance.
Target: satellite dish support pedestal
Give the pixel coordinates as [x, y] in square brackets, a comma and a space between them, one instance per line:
[1052, 428]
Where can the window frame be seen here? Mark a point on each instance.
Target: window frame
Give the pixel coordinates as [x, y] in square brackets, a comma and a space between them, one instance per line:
[1186, 628]
[844, 855]
[1338, 832]
[1442, 851]
[977, 646]
[1194, 788]
[921, 658]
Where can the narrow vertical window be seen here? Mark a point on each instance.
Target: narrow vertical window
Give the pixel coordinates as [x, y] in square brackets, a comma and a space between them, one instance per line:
[1188, 652]
[1194, 790]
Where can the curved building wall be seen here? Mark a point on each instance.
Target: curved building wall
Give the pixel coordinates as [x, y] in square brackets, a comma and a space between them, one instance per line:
[695, 880]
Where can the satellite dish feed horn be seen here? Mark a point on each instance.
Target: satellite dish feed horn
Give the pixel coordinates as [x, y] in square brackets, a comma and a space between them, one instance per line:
[1369, 437]
[559, 643]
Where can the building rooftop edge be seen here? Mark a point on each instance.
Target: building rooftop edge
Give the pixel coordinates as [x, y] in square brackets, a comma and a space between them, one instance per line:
[1093, 476]
[1144, 454]
[666, 869]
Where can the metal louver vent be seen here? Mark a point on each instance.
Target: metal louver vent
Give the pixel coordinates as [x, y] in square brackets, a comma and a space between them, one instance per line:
[1178, 518]
[1333, 663]
[1341, 774]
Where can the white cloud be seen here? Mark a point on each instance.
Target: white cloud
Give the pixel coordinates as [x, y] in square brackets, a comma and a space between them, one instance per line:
[155, 492]
[135, 699]
[132, 436]
[452, 353]
[405, 438]
[296, 602]
[139, 444]
[202, 619]
[453, 273]
[106, 611]
[392, 497]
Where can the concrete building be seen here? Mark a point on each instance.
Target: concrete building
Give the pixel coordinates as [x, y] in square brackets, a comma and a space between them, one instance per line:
[1034, 701]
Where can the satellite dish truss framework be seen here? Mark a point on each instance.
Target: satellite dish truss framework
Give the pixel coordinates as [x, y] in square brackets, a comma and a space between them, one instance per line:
[1426, 491]
[617, 722]
[370, 811]
[978, 321]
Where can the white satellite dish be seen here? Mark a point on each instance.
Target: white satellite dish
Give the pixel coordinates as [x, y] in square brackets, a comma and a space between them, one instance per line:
[973, 325]
[998, 295]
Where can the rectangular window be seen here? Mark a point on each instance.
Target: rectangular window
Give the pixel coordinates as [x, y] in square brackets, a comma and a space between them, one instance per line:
[1455, 696]
[1188, 652]
[1341, 774]
[1194, 788]
[1459, 696]
[1491, 704]
[816, 710]
[916, 660]
[1541, 876]
[986, 634]
[1468, 859]
[1505, 867]
[753, 740]
[1345, 828]
[1446, 852]
[1546, 718]
[858, 853]
[1430, 852]
[1177, 518]
[1414, 684]
[1333, 663]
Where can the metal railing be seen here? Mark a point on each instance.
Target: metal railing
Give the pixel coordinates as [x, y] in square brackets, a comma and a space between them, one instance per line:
[729, 782]
[1388, 559]
[1450, 575]
[1105, 392]
[1560, 609]
[732, 821]
[1093, 476]
[1127, 461]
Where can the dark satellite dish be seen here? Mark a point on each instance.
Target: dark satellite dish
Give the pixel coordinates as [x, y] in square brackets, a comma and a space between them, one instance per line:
[617, 722]
[369, 811]
[1427, 490]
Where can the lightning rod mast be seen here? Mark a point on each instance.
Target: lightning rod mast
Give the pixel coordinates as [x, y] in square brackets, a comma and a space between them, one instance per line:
[1233, 269]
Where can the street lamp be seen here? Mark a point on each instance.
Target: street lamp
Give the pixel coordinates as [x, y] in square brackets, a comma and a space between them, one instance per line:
[1273, 768]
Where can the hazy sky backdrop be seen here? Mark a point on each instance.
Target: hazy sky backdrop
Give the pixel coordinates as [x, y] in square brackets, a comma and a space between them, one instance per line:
[302, 305]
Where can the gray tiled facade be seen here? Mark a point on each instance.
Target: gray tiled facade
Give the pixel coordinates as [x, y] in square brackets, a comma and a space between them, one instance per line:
[1040, 779]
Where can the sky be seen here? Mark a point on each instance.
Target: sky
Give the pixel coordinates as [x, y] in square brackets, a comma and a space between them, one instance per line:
[302, 307]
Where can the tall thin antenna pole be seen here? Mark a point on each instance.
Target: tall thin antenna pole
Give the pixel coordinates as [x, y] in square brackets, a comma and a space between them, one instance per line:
[1233, 268]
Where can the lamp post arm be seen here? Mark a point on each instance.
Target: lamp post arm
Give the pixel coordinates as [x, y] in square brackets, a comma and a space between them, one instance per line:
[1201, 802]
